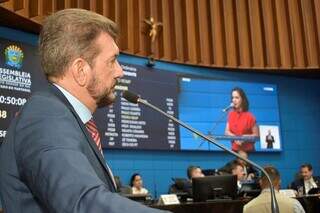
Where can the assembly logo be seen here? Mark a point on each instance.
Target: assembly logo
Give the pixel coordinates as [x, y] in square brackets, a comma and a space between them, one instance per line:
[13, 56]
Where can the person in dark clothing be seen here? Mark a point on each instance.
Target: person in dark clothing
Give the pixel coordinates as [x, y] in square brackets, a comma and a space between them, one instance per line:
[307, 181]
[269, 140]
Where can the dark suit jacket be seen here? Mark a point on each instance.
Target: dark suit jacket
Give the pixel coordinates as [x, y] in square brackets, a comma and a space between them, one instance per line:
[300, 183]
[270, 141]
[49, 163]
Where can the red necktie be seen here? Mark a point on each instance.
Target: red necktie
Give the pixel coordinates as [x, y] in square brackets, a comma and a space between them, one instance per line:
[93, 130]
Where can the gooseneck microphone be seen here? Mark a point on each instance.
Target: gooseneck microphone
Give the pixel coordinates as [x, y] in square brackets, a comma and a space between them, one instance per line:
[228, 107]
[133, 98]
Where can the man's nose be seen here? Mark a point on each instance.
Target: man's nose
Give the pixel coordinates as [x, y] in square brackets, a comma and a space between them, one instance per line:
[119, 71]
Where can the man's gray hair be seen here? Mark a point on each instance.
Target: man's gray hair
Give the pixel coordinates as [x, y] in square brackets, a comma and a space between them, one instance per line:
[69, 34]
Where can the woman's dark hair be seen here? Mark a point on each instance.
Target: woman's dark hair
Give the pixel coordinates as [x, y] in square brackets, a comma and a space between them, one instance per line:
[245, 102]
[133, 177]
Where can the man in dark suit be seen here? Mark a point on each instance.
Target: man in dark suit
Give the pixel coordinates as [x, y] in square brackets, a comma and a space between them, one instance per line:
[51, 159]
[306, 181]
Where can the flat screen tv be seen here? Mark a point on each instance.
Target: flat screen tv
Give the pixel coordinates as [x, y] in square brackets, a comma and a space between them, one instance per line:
[214, 187]
[205, 105]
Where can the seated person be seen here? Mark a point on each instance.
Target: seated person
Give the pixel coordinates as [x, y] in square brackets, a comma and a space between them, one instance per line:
[192, 172]
[178, 185]
[237, 169]
[262, 203]
[306, 181]
[137, 184]
[250, 172]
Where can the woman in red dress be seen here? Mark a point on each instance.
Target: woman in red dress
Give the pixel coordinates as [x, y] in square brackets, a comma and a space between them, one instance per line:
[241, 122]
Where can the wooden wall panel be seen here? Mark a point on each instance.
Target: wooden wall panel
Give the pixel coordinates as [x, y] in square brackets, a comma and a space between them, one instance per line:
[33, 8]
[230, 33]
[256, 25]
[156, 12]
[180, 29]
[192, 28]
[218, 33]
[271, 47]
[317, 22]
[243, 34]
[283, 33]
[204, 36]
[278, 35]
[45, 7]
[99, 6]
[312, 48]
[18, 5]
[121, 17]
[297, 33]
[169, 50]
[142, 31]
[131, 26]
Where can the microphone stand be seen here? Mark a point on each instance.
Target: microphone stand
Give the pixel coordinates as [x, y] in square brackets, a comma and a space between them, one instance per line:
[210, 132]
[274, 204]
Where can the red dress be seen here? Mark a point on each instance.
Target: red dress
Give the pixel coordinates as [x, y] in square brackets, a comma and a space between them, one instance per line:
[241, 123]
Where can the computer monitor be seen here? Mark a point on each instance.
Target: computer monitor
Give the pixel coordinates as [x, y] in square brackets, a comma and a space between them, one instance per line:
[142, 198]
[214, 187]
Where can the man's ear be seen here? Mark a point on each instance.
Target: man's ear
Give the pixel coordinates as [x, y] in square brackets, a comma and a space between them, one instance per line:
[277, 183]
[80, 71]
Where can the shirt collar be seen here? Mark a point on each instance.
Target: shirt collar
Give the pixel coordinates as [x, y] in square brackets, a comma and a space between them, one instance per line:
[268, 190]
[310, 179]
[82, 111]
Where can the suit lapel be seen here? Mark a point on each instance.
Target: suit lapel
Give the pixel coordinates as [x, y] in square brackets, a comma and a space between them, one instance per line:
[92, 144]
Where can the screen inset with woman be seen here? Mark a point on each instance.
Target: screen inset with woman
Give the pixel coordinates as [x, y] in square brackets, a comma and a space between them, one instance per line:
[137, 184]
[241, 122]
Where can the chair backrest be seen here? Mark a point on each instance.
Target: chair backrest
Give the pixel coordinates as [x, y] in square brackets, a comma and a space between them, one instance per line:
[125, 190]
[178, 185]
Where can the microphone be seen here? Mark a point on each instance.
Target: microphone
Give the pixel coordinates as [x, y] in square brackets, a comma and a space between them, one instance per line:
[133, 98]
[228, 107]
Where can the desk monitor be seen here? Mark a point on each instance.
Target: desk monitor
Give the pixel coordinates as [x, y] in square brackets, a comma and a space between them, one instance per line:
[214, 187]
[138, 197]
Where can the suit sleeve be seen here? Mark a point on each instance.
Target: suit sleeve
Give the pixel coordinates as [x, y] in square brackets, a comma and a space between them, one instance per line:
[52, 163]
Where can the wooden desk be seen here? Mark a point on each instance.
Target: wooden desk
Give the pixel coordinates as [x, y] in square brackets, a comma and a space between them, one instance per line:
[311, 204]
[223, 206]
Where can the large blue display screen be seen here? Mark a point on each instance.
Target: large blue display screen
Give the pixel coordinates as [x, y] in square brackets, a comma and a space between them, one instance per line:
[198, 102]
[201, 104]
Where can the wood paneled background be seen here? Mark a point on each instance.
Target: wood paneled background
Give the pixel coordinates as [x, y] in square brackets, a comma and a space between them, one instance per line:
[249, 34]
